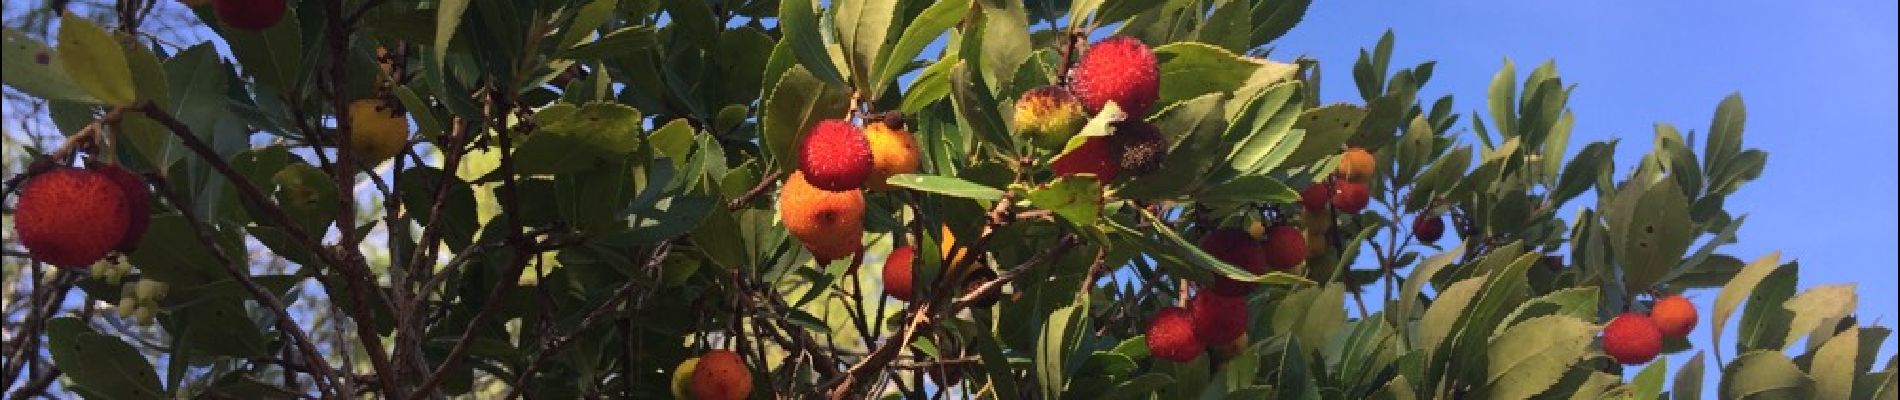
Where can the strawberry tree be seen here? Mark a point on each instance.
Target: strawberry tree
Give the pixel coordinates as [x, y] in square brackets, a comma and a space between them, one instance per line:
[853, 199]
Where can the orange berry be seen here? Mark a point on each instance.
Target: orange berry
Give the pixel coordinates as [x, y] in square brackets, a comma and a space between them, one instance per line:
[893, 151]
[1674, 315]
[1356, 165]
[721, 375]
[830, 224]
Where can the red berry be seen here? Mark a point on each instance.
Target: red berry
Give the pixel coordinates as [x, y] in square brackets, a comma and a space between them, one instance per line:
[1120, 69]
[1632, 339]
[1218, 318]
[1316, 196]
[1094, 156]
[250, 15]
[1351, 197]
[1428, 228]
[897, 272]
[70, 217]
[835, 156]
[138, 205]
[1675, 316]
[1171, 336]
[721, 375]
[1286, 247]
[1236, 247]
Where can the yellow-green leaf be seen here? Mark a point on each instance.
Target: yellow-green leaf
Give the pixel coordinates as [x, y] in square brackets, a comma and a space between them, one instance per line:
[94, 60]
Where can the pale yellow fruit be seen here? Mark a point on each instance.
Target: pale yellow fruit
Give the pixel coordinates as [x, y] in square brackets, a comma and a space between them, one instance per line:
[377, 131]
[683, 377]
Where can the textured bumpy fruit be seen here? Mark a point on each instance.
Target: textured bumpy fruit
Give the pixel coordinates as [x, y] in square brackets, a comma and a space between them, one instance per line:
[1675, 316]
[1286, 247]
[683, 378]
[250, 15]
[1120, 69]
[1217, 318]
[1139, 147]
[835, 156]
[721, 375]
[1351, 197]
[1316, 196]
[1094, 156]
[897, 272]
[70, 217]
[1235, 247]
[1428, 228]
[893, 151]
[1171, 336]
[1632, 339]
[830, 224]
[1049, 115]
[138, 205]
[377, 131]
[1356, 165]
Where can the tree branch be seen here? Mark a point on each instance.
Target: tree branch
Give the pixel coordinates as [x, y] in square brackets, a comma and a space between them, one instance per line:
[321, 371]
[552, 345]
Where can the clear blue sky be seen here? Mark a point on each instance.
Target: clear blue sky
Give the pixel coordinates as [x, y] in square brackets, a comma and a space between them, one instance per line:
[1818, 78]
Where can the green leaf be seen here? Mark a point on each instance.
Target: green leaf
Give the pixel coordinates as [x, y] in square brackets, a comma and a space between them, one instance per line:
[787, 118]
[1735, 291]
[1648, 384]
[105, 366]
[1530, 357]
[1577, 302]
[1765, 320]
[307, 195]
[573, 139]
[1724, 143]
[1409, 290]
[621, 42]
[1817, 304]
[1078, 199]
[948, 186]
[94, 60]
[972, 99]
[862, 27]
[1833, 366]
[1139, 387]
[222, 328]
[1651, 233]
[1247, 189]
[1503, 99]
[1228, 26]
[275, 55]
[798, 23]
[33, 69]
[1767, 374]
[1263, 130]
[1005, 43]
[1272, 19]
[1201, 259]
[418, 186]
[1436, 326]
[1192, 69]
[1327, 128]
[1064, 328]
[1311, 314]
[918, 33]
[1688, 384]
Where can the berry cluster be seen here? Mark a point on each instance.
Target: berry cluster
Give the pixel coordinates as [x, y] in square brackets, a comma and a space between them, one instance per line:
[1120, 70]
[1633, 338]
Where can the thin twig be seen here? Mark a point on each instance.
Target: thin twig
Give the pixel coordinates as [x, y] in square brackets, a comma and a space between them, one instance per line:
[552, 345]
[321, 370]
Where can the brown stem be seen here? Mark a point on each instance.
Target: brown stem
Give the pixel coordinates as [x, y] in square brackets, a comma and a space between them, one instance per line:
[764, 184]
[321, 370]
[552, 345]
